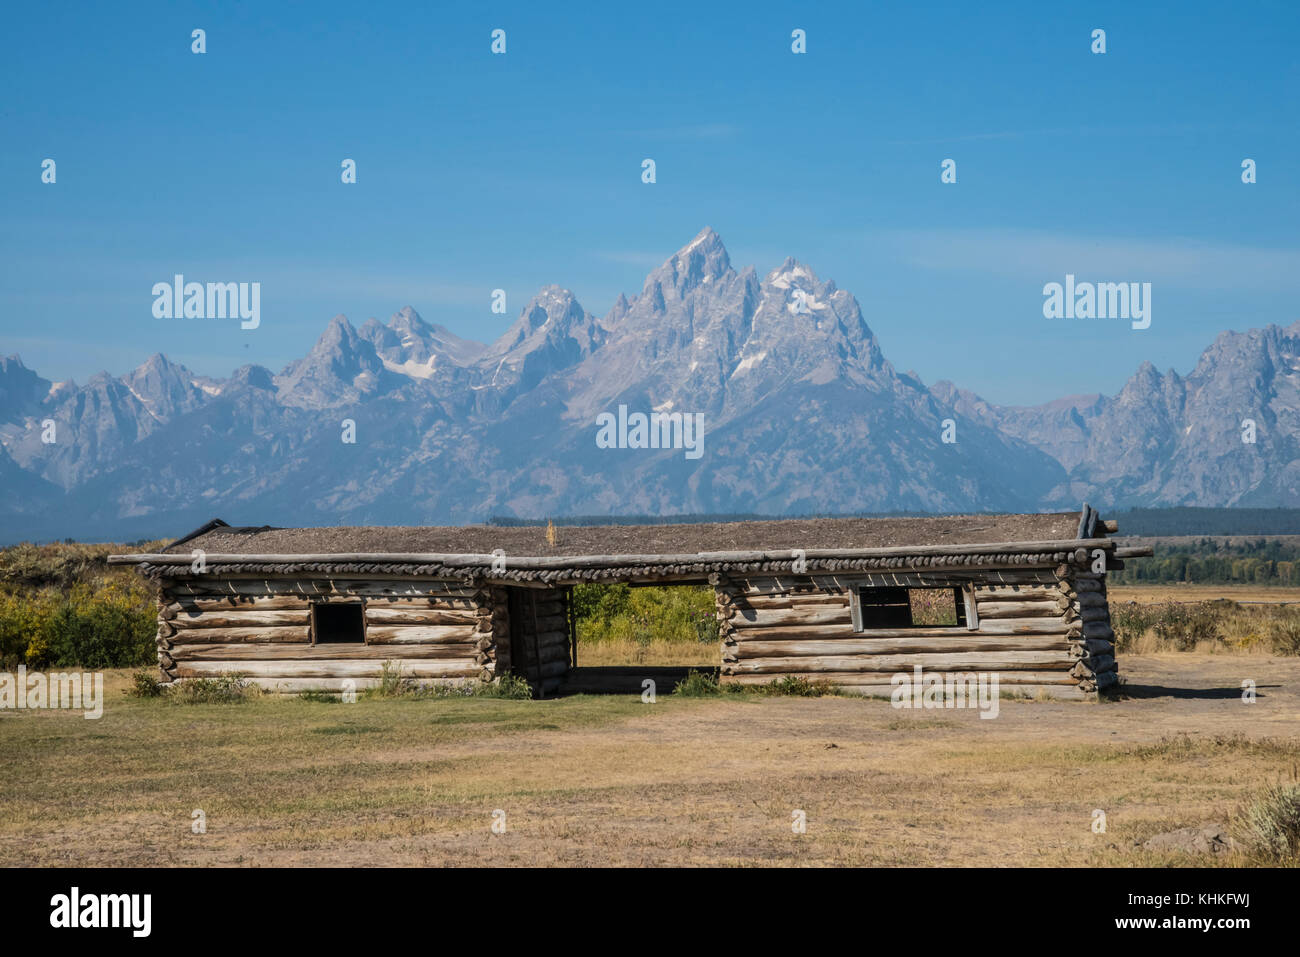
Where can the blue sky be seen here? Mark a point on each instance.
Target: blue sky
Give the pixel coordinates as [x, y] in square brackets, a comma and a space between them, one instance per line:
[478, 171]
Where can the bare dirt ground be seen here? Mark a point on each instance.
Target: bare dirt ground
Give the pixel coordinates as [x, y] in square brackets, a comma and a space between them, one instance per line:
[608, 780]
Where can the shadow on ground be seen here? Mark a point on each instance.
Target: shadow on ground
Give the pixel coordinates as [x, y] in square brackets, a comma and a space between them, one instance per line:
[1133, 692]
[627, 679]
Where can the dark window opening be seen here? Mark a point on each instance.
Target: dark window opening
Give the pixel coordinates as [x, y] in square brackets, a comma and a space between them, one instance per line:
[902, 607]
[338, 623]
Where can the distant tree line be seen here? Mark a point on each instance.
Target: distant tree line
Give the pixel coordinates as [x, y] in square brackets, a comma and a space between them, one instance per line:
[1260, 562]
[1176, 522]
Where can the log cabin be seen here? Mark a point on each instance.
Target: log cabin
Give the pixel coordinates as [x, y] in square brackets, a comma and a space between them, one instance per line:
[850, 601]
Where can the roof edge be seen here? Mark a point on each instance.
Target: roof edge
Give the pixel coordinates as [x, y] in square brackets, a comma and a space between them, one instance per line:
[478, 559]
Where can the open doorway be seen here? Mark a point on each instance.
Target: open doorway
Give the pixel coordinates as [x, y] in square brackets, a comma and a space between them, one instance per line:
[609, 638]
[627, 633]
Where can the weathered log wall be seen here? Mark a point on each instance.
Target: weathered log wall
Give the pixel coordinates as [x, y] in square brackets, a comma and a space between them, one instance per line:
[1094, 645]
[1042, 630]
[432, 631]
[538, 628]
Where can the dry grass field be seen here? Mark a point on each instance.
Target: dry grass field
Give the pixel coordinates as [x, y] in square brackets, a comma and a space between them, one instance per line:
[608, 780]
[1154, 594]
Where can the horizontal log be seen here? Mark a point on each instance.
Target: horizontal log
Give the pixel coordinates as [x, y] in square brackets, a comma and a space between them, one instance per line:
[1091, 599]
[1088, 584]
[334, 651]
[1021, 609]
[1009, 679]
[1017, 592]
[418, 634]
[288, 633]
[836, 614]
[788, 586]
[455, 668]
[194, 605]
[810, 600]
[1094, 614]
[241, 619]
[1134, 551]
[338, 685]
[317, 587]
[844, 581]
[399, 586]
[974, 661]
[1007, 626]
[414, 614]
[888, 646]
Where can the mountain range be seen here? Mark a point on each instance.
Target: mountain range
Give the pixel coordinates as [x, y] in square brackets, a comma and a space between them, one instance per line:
[803, 415]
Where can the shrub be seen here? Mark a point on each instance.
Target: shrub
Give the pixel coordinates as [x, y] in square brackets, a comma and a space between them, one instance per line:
[507, 686]
[1272, 825]
[699, 684]
[46, 621]
[796, 686]
[144, 684]
[1185, 626]
[1177, 627]
[327, 697]
[644, 615]
[225, 689]
[702, 684]
[706, 627]
[393, 685]
[1284, 634]
[1129, 621]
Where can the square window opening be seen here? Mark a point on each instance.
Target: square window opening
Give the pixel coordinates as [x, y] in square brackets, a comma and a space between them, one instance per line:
[902, 607]
[338, 623]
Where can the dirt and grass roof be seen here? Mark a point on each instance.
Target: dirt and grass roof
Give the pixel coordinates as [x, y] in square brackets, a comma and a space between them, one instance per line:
[644, 553]
[648, 540]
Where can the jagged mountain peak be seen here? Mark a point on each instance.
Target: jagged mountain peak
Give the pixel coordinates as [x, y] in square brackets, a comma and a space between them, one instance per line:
[409, 345]
[254, 377]
[337, 330]
[700, 262]
[165, 388]
[795, 389]
[553, 333]
[21, 389]
[407, 318]
[341, 368]
[552, 314]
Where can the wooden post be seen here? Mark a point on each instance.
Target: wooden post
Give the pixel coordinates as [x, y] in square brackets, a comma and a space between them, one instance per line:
[537, 653]
[573, 626]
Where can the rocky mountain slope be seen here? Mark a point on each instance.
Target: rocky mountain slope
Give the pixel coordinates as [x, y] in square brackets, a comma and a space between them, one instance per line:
[801, 410]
